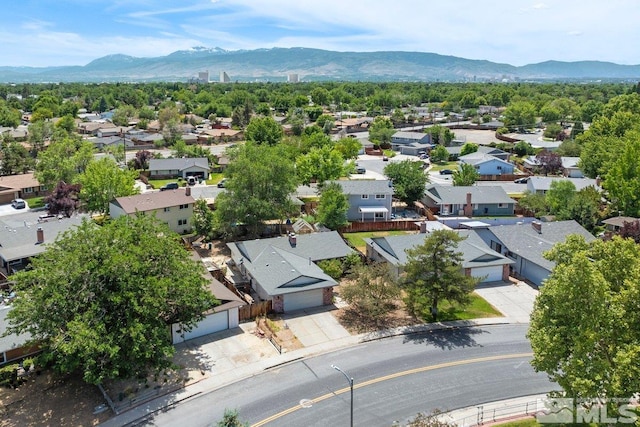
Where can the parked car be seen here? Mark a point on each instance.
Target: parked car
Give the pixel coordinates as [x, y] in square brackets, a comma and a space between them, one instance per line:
[192, 180]
[170, 186]
[222, 183]
[18, 204]
[360, 170]
[521, 180]
[424, 156]
[385, 159]
[446, 172]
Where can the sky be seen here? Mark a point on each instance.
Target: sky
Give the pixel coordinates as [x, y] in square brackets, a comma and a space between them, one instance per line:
[43, 33]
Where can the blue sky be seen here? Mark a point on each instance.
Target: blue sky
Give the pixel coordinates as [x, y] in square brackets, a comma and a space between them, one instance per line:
[518, 32]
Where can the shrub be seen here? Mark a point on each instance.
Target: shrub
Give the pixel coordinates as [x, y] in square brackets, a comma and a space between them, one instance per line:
[332, 267]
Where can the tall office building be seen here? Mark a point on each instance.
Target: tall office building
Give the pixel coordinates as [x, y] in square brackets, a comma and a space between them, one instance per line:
[224, 77]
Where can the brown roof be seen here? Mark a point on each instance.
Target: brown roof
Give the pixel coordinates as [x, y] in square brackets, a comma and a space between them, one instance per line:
[221, 132]
[153, 201]
[18, 182]
[618, 221]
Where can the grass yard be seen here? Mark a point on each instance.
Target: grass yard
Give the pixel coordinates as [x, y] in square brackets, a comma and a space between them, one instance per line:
[446, 165]
[36, 202]
[357, 239]
[157, 183]
[478, 308]
[214, 178]
[528, 422]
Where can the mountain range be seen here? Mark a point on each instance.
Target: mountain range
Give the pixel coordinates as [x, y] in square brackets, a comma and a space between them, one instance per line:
[314, 65]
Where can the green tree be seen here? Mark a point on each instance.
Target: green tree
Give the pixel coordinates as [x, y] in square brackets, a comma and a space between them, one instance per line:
[39, 132]
[440, 134]
[15, 159]
[381, 131]
[553, 131]
[320, 165]
[231, 418]
[408, 180]
[9, 117]
[260, 179]
[348, 147]
[123, 115]
[102, 181]
[100, 299]
[371, 292]
[333, 207]
[584, 207]
[533, 203]
[67, 123]
[264, 130]
[204, 220]
[63, 160]
[468, 148]
[523, 148]
[559, 197]
[434, 273]
[623, 180]
[585, 325]
[520, 114]
[439, 154]
[466, 175]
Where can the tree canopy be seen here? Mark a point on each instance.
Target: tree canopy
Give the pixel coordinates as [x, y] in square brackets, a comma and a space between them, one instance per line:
[408, 180]
[100, 300]
[465, 175]
[264, 130]
[333, 207]
[585, 325]
[102, 181]
[434, 273]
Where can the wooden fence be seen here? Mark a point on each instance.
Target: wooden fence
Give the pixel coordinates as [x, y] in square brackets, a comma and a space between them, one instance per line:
[354, 227]
[254, 310]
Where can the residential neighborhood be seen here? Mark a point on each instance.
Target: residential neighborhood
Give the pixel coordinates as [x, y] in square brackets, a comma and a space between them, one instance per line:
[278, 235]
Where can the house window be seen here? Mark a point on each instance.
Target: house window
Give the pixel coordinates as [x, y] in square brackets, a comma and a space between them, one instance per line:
[380, 196]
[184, 206]
[27, 190]
[182, 222]
[43, 188]
[502, 205]
[167, 209]
[365, 196]
[379, 215]
[499, 168]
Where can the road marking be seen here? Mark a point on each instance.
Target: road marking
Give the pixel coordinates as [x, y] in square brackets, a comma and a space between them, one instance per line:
[390, 377]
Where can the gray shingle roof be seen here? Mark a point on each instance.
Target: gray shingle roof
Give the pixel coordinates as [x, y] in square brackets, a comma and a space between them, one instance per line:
[11, 341]
[475, 252]
[523, 240]
[178, 164]
[543, 183]
[152, 201]
[479, 158]
[365, 186]
[447, 194]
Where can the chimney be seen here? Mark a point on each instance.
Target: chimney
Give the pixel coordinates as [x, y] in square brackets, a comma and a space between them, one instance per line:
[423, 227]
[293, 240]
[537, 226]
[39, 235]
[468, 209]
[187, 191]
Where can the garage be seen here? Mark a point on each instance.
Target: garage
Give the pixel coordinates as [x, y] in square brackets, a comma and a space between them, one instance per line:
[215, 322]
[494, 273]
[301, 300]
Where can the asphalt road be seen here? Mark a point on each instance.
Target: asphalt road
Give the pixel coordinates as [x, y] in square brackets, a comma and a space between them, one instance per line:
[395, 378]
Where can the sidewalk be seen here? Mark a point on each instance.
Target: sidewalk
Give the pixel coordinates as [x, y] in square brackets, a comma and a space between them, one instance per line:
[497, 412]
[223, 379]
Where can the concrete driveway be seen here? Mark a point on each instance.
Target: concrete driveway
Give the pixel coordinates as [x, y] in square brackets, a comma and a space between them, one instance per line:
[513, 299]
[315, 325]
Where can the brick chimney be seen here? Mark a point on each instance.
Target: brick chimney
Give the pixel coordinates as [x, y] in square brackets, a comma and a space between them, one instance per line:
[187, 191]
[537, 226]
[293, 240]
[423, 227]
[468, 208]
[39, 235]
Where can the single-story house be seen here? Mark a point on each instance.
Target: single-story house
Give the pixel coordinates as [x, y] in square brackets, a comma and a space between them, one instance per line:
[468, 200]
[487, 164]
[570, 167]
[525, 244]
[21, 186]
[12, 347]
[284, 270]
[24, 235]
[617, 222]
[174, 207]
[410, 143]
[112, 131]
[91, 128]
[495, 152]
[542, 184]
[478, 259]
[219, 318]
[219, 135]
[368, 199]
[170, 168]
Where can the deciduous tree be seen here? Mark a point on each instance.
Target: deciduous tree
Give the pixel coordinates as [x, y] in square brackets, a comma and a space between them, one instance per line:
[100, 299]
[408, 180]
[63, 160]
[333, 207]
[320, 165]
[465, 175]
[103, 181]
[381, 131]
[264, 130]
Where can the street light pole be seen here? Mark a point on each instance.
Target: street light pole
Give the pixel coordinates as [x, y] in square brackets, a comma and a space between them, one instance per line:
[350, 380]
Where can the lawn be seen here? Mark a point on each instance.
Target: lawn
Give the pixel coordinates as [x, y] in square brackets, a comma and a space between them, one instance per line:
[478, 308]
[36, 202]
[214, 178]
[447, 165]
[528, 422]
[357, 239]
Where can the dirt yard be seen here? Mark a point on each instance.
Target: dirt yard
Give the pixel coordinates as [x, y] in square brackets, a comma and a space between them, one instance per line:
[274, 326]
[46, 400]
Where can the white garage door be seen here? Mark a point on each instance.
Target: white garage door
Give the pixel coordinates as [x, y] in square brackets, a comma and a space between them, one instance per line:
[213, 323]
[304, 299]
[493, 274]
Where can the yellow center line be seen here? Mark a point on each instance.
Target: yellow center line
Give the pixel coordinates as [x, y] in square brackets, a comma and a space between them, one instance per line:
[390, 377]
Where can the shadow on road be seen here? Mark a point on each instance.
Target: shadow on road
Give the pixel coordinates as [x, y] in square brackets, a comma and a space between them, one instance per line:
[446, 338]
